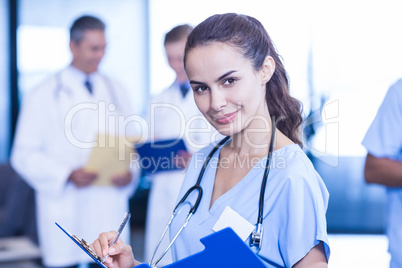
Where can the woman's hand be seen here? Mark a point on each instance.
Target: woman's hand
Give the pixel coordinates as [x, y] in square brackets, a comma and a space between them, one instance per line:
[120, 255]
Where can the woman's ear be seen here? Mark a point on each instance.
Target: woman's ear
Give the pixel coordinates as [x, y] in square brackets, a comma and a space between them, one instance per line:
[267, 69]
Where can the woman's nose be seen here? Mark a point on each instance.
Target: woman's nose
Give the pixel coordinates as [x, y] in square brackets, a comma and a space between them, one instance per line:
[218, 100]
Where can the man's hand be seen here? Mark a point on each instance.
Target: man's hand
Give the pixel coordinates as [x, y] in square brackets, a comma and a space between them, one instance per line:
[182, 159]
[123, 179]
[82, 178]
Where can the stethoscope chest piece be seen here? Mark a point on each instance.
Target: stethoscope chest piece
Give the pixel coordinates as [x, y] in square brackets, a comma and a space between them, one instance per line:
[256, 237]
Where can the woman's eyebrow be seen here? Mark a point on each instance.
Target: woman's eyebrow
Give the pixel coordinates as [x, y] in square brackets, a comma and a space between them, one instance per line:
[217, 80]
[224, 76]
[196, 82]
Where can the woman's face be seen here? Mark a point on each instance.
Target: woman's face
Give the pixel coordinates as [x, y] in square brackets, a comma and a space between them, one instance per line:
[227, 89]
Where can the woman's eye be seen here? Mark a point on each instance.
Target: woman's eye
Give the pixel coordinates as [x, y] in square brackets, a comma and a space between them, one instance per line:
[229, 81]
[201, 88]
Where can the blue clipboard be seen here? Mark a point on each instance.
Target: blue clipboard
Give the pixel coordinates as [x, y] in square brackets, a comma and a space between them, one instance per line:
[159, 156]
[84, 246]
[223, 249]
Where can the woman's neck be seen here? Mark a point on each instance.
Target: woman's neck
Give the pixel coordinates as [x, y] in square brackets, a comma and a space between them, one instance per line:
[256, 141]
[253, 140]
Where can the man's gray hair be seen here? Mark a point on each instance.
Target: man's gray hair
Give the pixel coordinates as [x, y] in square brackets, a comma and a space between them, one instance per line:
[83, 24]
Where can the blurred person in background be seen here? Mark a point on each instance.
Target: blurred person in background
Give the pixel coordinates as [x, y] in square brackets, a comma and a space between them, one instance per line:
[383, 142]
[57, 127]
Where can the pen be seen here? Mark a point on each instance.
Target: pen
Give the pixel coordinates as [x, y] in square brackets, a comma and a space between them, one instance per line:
[119, 231]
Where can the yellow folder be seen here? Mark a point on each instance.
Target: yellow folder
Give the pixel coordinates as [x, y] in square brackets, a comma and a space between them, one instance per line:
[110, 158]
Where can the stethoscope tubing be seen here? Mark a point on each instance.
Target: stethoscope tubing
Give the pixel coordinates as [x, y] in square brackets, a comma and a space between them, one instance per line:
[197, 184]
[60, 86]
[257, 233]
[266, 172]
[182, 200]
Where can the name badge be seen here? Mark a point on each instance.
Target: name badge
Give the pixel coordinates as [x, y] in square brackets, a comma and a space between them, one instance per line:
[232, 219]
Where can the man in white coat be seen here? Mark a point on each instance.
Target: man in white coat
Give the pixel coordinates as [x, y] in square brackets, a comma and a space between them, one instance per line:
[57, 129]
[173, 114]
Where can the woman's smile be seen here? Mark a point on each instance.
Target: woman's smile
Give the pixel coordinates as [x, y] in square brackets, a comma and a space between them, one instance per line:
[227, 118]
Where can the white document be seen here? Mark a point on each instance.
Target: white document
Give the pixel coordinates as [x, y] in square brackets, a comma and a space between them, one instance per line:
[232, 219]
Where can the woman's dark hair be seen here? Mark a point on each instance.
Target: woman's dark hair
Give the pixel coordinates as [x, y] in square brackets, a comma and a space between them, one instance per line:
[248, 36]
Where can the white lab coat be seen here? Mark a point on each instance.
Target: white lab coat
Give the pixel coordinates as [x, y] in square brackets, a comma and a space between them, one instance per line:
[171, 117]
[51, 132]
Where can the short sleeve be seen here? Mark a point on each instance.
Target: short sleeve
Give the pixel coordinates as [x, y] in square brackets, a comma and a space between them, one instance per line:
[306, 225]
[296, 221]
[384, 136]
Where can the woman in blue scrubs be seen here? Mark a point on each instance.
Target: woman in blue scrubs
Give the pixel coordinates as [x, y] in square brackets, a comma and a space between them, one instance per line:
[241, 87]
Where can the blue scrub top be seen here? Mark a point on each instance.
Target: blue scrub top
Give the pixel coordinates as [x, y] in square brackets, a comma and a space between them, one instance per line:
[384, 139]
[384, 136]
[296, 201]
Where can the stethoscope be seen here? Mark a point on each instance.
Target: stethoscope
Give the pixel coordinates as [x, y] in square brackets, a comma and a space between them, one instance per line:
[256, 235]
[63, 95]
[61, 87]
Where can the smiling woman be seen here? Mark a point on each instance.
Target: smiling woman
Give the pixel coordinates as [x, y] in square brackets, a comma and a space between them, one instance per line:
[230, 92]
[241, 87]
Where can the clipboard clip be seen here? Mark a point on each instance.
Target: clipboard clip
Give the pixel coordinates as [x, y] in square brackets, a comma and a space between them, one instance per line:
[86, 247]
